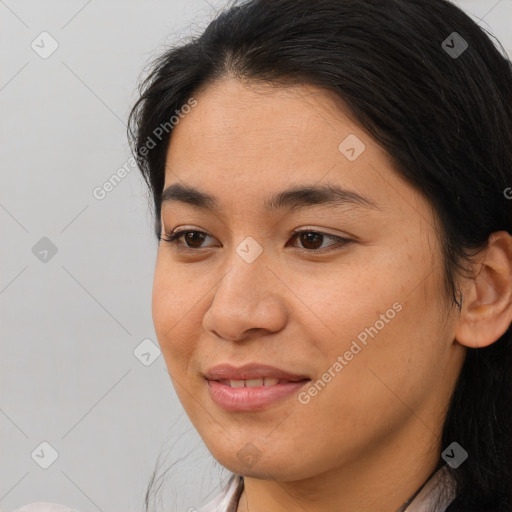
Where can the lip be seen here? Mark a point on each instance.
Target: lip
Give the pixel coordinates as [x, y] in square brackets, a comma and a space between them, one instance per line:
[250, 398]
[250, 371]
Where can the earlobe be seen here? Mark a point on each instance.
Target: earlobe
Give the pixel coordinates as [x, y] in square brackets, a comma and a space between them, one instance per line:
[486, 312]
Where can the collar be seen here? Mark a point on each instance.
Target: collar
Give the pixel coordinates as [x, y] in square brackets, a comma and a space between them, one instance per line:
[435, 496]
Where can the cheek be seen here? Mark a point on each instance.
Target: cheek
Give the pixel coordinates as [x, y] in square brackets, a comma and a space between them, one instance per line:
[389, 368]
[382, 321]
[174, 305]
[369, 396]
[344, 302]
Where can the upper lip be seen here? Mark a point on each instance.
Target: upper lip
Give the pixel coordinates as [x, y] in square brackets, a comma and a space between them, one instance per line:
[250, 371]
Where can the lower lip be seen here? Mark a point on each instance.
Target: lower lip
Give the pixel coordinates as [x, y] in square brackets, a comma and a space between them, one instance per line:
[252, 398]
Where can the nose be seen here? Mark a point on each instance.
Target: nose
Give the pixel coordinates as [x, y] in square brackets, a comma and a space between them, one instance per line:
[248, 301]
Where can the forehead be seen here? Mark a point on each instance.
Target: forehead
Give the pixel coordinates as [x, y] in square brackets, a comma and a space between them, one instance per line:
[251, 113]
[245, 128]
[244, 140]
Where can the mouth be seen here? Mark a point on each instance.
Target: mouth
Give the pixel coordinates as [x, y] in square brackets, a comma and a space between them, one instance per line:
[250, 373]
[252, 383]
[251, 387]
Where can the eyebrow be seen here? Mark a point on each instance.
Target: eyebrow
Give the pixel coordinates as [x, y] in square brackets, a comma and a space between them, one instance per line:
[293, 198]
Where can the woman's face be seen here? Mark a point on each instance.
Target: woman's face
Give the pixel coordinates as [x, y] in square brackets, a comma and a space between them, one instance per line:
[356, 331]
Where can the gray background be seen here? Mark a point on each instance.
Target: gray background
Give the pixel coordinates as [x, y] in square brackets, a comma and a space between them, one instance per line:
[70, 321]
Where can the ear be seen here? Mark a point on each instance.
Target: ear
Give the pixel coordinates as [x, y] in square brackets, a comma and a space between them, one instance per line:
[486, 311]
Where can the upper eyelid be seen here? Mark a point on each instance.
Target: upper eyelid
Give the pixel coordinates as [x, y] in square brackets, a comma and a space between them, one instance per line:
[294, 231]
[179, 232]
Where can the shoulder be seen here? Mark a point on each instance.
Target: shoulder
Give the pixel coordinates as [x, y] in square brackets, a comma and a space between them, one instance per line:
[43, 506]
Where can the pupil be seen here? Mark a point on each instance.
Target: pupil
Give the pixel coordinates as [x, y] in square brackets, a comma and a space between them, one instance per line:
[191, 235]
[308, 238]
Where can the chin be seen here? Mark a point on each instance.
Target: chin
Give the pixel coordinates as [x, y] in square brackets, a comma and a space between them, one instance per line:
[251, 462]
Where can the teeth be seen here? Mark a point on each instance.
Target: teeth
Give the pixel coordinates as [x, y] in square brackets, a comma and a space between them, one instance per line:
[251, 383]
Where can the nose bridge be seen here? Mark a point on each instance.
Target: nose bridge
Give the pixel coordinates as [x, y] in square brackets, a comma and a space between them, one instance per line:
[245, 276]
[242, 299]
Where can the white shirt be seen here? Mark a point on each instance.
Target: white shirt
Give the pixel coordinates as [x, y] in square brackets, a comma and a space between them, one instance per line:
[435, 496]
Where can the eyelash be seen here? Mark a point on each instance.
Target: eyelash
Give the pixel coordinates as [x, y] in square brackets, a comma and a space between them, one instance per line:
[173, 240]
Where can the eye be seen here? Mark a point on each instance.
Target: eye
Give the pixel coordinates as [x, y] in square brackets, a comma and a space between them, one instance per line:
[191, 236]
[312, 241]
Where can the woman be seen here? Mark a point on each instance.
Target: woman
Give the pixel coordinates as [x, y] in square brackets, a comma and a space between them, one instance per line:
[333, 286]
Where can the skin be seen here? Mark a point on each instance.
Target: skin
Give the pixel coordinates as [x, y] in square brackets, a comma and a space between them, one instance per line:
[370, 437]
